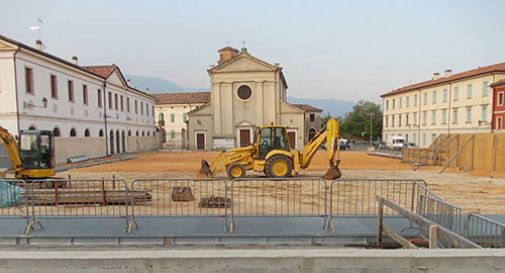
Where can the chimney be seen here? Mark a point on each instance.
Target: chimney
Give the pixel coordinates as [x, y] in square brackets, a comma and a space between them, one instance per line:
[226, 54]
[447, 73]
[39, 45]
[436, 76]
[75, 60]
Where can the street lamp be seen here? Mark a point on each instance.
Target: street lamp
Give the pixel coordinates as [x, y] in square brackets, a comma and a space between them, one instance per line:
[371, 120]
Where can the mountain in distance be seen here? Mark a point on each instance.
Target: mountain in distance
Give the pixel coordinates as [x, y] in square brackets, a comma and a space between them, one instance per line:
[336, 108]
[159, 85]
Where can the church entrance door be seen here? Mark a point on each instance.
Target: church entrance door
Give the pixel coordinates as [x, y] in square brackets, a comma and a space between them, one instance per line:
[245, 137]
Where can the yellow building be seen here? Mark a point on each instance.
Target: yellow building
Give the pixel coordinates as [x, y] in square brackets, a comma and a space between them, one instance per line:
[449, 103]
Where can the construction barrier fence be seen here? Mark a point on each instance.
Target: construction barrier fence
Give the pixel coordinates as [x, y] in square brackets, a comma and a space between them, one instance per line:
[33, 202]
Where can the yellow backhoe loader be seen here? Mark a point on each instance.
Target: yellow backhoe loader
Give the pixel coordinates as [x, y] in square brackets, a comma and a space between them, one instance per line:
[33, 156]
[272, 155]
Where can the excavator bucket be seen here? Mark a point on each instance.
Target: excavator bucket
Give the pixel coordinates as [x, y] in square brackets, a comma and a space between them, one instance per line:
[205, 169]
[333, 172]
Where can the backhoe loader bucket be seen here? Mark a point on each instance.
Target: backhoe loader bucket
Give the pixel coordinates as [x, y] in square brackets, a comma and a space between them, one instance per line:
[333, 172]
[205, 169]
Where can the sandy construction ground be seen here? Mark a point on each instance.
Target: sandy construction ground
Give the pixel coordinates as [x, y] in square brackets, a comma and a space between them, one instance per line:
[475, 194]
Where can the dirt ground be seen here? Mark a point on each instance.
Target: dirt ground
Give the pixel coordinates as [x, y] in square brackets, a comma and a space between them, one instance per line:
[474, 194]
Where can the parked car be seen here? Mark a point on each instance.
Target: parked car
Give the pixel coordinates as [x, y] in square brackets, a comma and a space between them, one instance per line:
[344, 144]
[410, 145]
[395, 142]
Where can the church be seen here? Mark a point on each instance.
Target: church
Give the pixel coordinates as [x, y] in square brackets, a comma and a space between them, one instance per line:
[245, 93]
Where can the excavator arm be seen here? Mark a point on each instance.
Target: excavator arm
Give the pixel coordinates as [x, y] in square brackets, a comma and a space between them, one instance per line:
[329, 134]
[12, 149]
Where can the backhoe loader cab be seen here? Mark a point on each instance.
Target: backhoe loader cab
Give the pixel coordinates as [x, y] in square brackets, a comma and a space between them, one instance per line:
[269, 138]
[36, 149]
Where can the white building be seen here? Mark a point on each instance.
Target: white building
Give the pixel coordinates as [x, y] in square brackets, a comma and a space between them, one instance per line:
[92, 110]
[448, 104]
[171, 115]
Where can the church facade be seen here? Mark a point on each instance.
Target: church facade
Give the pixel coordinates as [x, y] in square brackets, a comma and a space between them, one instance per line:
[245, 93]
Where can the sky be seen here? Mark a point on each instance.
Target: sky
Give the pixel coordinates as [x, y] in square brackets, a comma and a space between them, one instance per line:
[346, 50]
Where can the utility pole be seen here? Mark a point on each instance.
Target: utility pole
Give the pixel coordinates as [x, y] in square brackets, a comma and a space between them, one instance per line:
[371, 127]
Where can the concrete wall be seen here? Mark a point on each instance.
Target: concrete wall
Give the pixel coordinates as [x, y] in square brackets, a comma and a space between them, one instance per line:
[66, 147]
[146, 143]
[254, 260]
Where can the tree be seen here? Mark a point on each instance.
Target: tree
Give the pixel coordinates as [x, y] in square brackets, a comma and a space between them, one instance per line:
[357, 122]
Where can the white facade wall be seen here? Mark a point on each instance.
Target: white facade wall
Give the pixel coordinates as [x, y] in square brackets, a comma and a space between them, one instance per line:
[418, 115]
[20, 110]
[174, 123]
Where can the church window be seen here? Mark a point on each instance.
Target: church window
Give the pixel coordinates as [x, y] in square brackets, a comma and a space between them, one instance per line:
[244, 92]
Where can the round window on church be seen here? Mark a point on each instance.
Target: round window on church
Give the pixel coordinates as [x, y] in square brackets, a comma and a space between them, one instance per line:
[244, 92]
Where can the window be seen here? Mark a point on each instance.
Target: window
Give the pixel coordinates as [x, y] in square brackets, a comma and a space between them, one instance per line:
[56, 132]
[501, 98]
[185, 117]
[386, 120]
[400, 120]
[116, 102]
[152, 109]
[406, 119]
[400, 102]
[86, 132]
[393, 121]
[469, 115]
[71, 91]
[425, 99]
[415, 138]
[394, 102]
[136, 107]
[172, 134]
[29, 80]
[424, 139]
[244, 92]
[85, 94]
[141, 108]
[469, 91]
[110, 100]
[444, 116]
[161, 119]
[433, 137]
[172, 117]
[414, 118]
[312, 117]
[455, 116]
[99, 94]
[121, 102]
[415, 100]
[434, 97]
[147, 109]
[425, 117]
[407, 101]
[387, 104]
[456, 94]
[444, 96]
[485, 89]
[499, 123]
[100, 134]
[433, 117]
[128, 105]
[54, 87]
[483, 115]
[73, 132]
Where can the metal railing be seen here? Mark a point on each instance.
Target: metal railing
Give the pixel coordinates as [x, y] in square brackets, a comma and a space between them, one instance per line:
[13, 203]
[179, 198]
[278, 197]
[73, 198]
[480, 229]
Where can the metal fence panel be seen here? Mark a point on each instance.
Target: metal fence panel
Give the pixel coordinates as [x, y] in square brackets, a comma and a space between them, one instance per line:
[278, 197]
[357, 197]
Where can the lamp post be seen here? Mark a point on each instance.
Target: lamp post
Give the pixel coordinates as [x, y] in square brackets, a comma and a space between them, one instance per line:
[371, 120]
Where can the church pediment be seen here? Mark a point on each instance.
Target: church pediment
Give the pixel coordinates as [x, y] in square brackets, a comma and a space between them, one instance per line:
[117, 78]
[244, 63]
